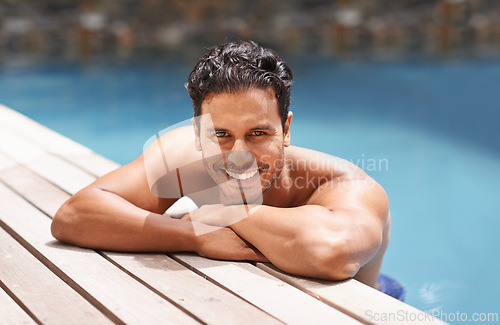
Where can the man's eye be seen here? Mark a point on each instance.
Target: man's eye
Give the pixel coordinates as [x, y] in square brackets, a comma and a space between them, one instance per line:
[220, 134]
[258, 133]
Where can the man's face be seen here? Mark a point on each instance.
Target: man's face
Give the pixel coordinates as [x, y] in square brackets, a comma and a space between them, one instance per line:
[243, 146]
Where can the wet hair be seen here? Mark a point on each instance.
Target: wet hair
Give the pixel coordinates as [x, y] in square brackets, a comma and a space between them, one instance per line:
[234, 67]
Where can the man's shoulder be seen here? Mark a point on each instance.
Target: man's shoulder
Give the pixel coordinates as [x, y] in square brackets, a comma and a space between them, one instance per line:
[327, 178]
[173, 166]
[183, 135]
[177, 147]
[309, 160]
[172, 151]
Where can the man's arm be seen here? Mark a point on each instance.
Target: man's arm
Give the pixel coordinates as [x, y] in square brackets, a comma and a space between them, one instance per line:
[103, 216]
[331, 237]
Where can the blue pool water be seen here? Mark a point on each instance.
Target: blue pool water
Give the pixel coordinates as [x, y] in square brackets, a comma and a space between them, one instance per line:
[426, 130]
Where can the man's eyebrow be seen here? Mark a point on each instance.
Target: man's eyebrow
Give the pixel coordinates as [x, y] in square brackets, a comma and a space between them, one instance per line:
[263, 127]
[259, 127]
[216, 129]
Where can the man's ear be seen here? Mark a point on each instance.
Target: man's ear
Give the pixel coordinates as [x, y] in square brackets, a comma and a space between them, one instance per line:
[286, 131]
[197, 143]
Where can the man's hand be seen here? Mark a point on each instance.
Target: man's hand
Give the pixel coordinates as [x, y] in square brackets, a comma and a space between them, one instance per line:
[218, 241]
[218, 215]
[225, 244]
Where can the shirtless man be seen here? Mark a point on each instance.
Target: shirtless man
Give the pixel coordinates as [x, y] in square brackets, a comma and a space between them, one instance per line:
[308, 213]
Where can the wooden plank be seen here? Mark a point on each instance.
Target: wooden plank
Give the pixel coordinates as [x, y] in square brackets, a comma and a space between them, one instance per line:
[26, 128]
[18, 149]
[46, 296]
[11, 312]
[356, 299]
[207, 301]
[52, 142]
[93, 163]
[265, 291]
[38, 191]
[6, 163]
[111, 290]
[68, 177]
[22, 151]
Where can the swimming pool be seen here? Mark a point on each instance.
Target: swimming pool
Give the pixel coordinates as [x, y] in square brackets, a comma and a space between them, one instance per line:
[426, 130]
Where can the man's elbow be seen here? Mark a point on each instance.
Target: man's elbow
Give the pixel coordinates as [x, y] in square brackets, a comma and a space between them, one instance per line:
[64, 223]
[338, 269]
[337, 263]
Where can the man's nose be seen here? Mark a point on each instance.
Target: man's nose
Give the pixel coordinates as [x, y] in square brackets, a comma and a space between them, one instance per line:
[239, 145]
[239, 156]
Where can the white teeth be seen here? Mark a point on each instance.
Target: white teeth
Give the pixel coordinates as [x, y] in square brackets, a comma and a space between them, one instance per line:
[242, 176]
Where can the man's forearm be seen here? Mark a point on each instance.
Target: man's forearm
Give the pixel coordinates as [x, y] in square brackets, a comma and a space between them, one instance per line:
[102, 220]
[303, 240]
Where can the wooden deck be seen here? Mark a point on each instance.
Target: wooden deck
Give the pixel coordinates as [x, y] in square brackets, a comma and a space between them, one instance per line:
[44, 281]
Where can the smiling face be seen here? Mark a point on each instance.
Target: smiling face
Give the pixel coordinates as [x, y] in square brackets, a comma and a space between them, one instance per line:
[243, 146]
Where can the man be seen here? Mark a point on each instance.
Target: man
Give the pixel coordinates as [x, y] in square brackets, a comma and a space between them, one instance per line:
[261, 199]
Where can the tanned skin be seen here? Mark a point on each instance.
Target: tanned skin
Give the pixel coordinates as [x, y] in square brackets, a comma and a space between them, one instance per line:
[319, 216]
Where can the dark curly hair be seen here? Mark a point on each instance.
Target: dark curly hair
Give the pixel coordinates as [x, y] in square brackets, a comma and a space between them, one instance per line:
[233, 67]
